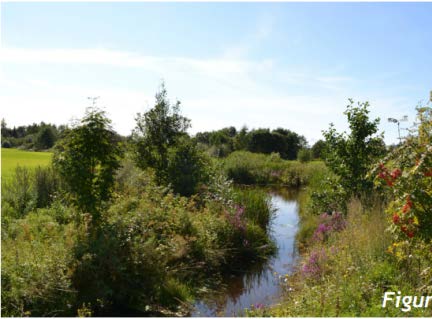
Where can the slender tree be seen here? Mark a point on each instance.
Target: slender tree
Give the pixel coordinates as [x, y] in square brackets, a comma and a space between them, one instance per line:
[87, 158]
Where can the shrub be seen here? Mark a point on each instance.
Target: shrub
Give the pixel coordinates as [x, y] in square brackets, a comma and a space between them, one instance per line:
[304, 155]
[186, 167]
[6, 144]
[47, 185]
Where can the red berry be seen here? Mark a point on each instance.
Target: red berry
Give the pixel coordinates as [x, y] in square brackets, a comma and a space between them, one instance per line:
[405, 208]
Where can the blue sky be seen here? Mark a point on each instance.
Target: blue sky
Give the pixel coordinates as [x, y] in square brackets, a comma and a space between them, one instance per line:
[291, 65]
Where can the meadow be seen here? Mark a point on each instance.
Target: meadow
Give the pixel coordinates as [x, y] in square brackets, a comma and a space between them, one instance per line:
[11, 158]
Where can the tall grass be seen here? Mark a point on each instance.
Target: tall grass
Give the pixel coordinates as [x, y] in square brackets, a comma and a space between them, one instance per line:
[257, 205]
[252, 168]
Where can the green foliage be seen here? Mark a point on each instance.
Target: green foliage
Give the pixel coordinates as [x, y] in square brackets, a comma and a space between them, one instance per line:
[45, 138]
[87, 158]
[410, 181]
[318, 149]
[186, 167]
[250, 168]
[351, 156]
[227, 140]
[47, 184]
[36, 258]
[34, 136]
[19, 193]
[156, 131]
[329, 197]
[304, 155]
[351, 272]
[257, 206]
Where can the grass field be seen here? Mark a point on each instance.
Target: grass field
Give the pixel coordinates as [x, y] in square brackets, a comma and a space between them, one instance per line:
[11, 158]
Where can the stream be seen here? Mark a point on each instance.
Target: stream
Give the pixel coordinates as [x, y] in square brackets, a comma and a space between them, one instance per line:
[261, 284]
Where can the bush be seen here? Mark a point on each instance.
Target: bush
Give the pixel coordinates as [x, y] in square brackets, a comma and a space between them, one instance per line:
[186, 167]
[47, 185]
[304, 155]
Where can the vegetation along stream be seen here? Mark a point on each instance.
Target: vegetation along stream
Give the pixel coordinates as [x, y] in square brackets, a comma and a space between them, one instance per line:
[260, 286]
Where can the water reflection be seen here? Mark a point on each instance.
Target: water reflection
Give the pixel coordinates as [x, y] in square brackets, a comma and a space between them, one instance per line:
[260, 284]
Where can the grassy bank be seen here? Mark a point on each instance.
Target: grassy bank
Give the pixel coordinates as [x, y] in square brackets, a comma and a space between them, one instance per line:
[260, 169]
[347, 264]
[153, 253]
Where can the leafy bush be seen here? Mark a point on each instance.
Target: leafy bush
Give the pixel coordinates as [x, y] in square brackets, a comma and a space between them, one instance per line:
[186, 167]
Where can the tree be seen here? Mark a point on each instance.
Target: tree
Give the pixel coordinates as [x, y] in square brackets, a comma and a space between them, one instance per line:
[161, 143]
[87, 158]
[351, 156]
[318, 149]
[45, 138]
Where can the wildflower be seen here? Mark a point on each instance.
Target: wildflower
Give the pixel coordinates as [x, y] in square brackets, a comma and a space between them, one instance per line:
[396, 218]
[410, 234]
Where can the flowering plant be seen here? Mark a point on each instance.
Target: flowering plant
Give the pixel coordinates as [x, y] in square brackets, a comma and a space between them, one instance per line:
[407, 171]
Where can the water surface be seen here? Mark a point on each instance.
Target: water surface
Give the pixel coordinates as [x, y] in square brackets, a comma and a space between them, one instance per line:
[260, 285]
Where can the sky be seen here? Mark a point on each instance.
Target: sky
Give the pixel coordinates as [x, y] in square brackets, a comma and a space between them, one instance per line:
[290, 65]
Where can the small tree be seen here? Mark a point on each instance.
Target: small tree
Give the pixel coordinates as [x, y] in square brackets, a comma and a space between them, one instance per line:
[351, 156]
[161, 143]
[318, 149]
[87, 158]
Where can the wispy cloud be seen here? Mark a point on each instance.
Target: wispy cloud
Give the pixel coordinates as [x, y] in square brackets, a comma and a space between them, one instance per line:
[128, 59]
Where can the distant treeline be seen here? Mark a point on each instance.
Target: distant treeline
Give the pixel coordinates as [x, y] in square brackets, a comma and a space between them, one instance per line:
[220, 143]
[287, 143]
[35, 136]
[42, 136]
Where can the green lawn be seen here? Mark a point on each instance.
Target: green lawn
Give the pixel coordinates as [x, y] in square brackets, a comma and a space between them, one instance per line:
[11, 158]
